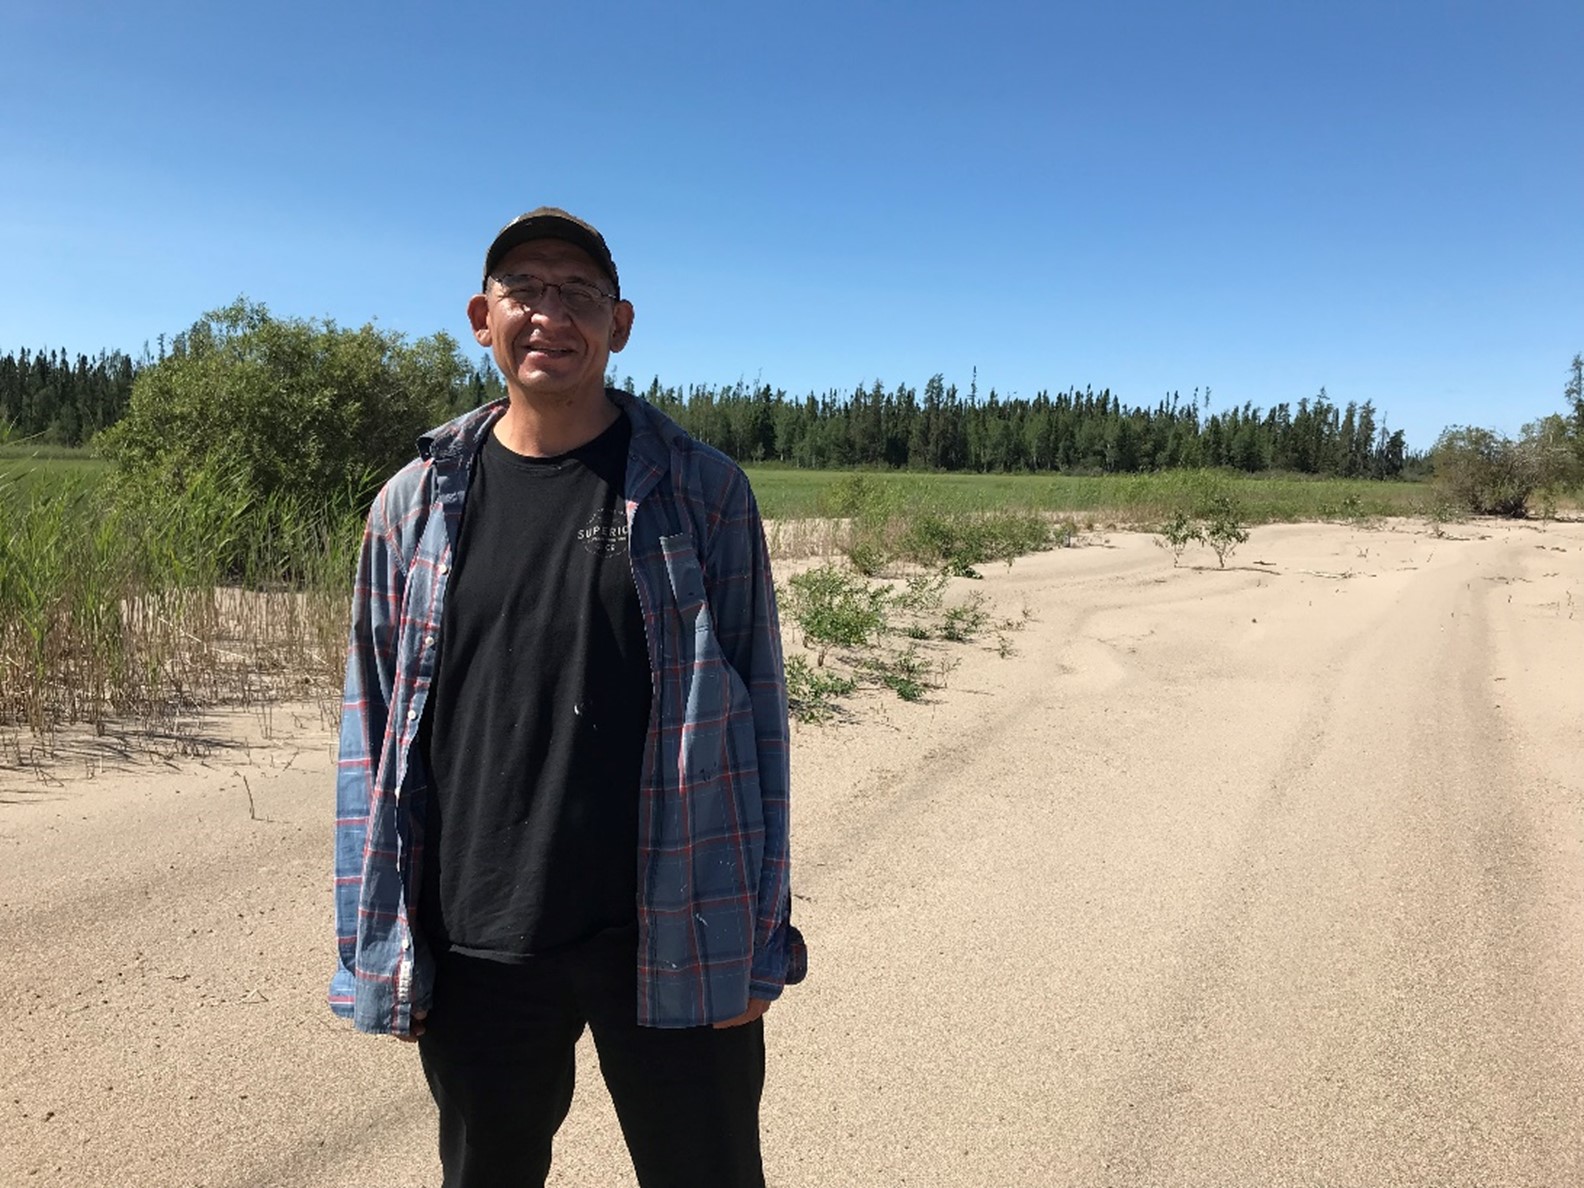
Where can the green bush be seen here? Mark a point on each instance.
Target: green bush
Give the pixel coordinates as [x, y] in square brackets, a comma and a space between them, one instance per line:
[278, 412]
[835, 609]
[921, 593]
[955, 544]
[1483, 472]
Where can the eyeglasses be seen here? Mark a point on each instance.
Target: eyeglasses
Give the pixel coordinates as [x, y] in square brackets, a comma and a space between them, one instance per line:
[528, 292]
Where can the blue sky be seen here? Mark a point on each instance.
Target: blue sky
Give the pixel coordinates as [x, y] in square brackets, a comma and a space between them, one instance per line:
[1384, 199]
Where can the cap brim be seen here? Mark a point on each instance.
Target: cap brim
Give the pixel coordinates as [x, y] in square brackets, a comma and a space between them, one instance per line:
[548, 226]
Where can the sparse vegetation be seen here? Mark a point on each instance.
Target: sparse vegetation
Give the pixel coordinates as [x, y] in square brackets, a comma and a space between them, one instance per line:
[848, 619]
[812, 692]
[885, 530]
[1140, 500]
[1215, 521]
[962, 622]
[903, 671]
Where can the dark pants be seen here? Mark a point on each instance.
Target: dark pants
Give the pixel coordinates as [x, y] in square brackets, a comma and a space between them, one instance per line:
[498, 1054]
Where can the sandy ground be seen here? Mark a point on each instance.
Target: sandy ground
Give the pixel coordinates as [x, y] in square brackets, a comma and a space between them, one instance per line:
[1265, 876]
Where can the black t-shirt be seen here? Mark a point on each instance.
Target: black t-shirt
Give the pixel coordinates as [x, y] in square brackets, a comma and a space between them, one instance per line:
[536, 724]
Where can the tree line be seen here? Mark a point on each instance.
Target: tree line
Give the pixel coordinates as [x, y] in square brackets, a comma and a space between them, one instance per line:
[1073, 431]
[48, 396]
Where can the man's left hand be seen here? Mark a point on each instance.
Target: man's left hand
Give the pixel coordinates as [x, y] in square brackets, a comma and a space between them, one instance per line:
[756, 1009]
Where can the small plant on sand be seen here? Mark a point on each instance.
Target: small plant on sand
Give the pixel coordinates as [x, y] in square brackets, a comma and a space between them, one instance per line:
[1350, 510]
[921, 593]
[1224, 530]
[916, 602]
[1438, 515]
[834, 608]
[1178, 533]
[850, 619]
[812, 692]
[962, 622]
[905, 673]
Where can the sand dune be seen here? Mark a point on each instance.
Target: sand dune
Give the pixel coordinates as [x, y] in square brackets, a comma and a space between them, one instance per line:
[1265, 876]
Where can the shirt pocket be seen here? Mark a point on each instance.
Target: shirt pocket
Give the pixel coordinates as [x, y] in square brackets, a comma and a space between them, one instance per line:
[696, 655]
[685, 574]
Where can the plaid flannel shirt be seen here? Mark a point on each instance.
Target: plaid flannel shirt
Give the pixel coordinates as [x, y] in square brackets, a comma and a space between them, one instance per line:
[714, 900]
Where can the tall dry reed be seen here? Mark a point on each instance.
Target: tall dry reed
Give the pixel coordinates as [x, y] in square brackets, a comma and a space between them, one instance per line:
[141, 605]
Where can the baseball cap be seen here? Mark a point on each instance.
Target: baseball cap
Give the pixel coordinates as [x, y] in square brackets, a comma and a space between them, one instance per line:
[551, 222]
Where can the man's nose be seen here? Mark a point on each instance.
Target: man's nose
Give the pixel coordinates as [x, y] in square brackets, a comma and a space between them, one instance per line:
[550, 307]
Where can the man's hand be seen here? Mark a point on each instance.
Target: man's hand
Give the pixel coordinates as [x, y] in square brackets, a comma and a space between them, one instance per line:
[756, 1009]
[417, 1028]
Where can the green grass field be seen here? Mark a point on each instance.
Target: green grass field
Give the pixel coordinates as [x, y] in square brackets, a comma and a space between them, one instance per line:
[28, 468]
[1121, 499]
[800, 494]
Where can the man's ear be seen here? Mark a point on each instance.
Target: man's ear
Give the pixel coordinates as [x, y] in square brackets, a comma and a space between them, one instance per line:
[621, 325]
[478, 318]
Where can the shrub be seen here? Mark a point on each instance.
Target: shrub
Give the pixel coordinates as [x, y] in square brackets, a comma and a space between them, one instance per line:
[1217, 524]
[1552, 459]
[867, 555]
[1482, 471]
[940, 541]
[279, 410]
[835, 609]
[921, 593]
[955, 544]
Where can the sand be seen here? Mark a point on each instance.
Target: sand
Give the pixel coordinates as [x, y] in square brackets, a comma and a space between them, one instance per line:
[1265, 876]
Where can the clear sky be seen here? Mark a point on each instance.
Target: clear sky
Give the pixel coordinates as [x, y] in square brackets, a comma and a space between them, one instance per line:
[1383, 198]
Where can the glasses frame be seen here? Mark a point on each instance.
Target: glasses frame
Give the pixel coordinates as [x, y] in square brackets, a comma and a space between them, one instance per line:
[502, 279]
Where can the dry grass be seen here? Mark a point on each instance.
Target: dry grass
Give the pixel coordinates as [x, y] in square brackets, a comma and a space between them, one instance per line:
[112, 609]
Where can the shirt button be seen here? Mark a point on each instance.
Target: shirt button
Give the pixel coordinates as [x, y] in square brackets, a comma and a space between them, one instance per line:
[406, 942]
[444, 569]
[411, 714]
[428, 641]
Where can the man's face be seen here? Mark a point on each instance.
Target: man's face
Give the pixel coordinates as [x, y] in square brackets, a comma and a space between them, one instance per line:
[545, 352]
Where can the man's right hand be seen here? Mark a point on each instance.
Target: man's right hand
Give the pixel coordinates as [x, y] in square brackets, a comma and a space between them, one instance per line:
[416, 1029]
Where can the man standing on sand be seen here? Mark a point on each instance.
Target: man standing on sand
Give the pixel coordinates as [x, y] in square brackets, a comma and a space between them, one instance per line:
[562, 794]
